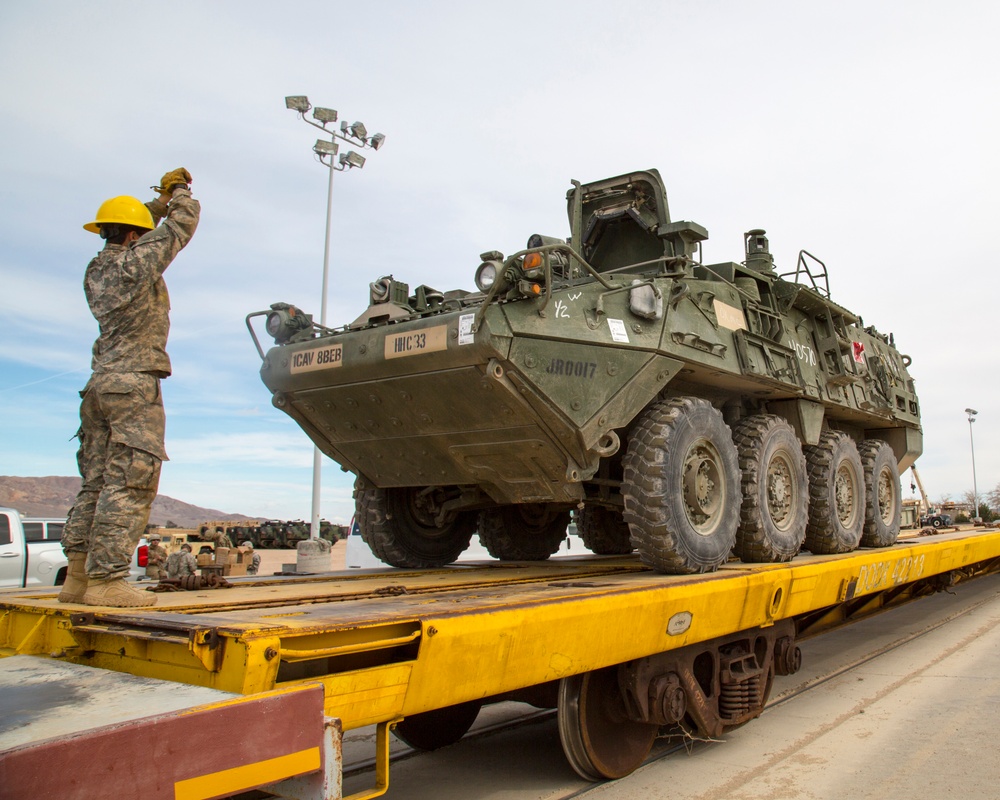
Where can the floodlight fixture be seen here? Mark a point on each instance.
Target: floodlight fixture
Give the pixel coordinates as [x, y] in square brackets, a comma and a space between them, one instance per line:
[325, 148]
[971, 411]
[352, 159]
[298, 102]
[325, 115]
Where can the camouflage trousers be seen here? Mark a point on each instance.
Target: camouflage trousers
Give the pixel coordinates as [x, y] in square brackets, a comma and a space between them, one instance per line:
[121, 450]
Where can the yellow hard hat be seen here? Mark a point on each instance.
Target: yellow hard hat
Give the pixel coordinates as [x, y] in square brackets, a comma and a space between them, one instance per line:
[123, 210]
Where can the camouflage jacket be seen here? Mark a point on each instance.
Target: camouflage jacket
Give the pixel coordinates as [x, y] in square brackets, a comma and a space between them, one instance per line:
[127, 294]
[180, 564]
[156, 555]
[219, 539]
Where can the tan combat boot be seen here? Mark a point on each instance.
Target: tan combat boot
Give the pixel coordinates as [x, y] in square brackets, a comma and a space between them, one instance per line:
[76, 579]
[117, 593]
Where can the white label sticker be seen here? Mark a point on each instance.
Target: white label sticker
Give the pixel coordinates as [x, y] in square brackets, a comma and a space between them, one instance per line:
[618, 332]
[326, 357]
[465, 334]
[427, 340]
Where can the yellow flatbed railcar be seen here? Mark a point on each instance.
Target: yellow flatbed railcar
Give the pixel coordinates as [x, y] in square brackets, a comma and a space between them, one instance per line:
[424, 649]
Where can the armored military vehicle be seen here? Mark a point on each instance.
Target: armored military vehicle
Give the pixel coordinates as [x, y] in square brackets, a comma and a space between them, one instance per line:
[685, 410]
[278, 534]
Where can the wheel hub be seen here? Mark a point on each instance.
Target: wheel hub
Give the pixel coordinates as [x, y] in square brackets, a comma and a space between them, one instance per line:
[845, 492]
[780, 492]
[704, 487]
[886, 496]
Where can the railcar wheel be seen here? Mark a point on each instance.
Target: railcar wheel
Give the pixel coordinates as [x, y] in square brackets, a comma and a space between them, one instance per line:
[885, 498]
[597, 737]
[400, 526]
[604, 531]
[525, 532]
[441, 727]
[836, 494]
[775, 490]
[681, 487]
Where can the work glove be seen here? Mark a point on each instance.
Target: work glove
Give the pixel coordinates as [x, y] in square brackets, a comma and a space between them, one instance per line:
[174, 178]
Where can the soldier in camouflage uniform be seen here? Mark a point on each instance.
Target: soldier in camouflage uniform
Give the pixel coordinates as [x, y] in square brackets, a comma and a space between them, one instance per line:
[182, 563]
[254, 564]
[121, 414]
[220, 539]
[156, 557]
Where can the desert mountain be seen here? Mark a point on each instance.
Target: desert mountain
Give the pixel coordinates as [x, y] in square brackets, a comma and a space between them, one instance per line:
[53, 496]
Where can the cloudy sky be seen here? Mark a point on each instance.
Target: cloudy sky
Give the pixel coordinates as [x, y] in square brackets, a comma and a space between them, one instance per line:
[864, 132]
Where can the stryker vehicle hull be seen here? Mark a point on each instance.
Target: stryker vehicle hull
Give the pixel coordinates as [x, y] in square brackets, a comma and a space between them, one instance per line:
[573, 380]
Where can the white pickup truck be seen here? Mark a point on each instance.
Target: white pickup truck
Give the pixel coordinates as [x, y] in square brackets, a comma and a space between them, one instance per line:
[27, 563]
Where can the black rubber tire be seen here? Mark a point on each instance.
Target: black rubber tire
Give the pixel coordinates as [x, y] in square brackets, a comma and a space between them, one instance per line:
[836, 494]
[775, 490]
[438, 728]
[885, 497]
[525, 532]
[681, 487]
[604, 531]
[937, 522]
[401, 532]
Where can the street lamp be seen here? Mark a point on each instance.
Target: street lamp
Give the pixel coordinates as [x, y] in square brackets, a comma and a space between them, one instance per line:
[326, 151]
[975, 492]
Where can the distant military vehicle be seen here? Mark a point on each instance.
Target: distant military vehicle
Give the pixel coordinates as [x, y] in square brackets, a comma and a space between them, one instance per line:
[271, 533]
[687, 410]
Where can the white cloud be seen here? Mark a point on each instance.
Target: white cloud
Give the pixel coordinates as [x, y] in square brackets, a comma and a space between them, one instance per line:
[222, 451]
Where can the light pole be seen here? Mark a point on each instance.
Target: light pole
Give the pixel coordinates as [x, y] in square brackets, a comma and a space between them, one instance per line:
[975, 492]
[325, 151]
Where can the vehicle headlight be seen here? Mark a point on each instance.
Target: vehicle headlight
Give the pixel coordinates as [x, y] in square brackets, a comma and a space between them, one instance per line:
[486, 275]
[285, 321]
